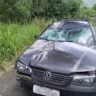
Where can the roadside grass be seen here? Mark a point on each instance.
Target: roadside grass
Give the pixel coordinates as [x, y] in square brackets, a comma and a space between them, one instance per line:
[17, 37]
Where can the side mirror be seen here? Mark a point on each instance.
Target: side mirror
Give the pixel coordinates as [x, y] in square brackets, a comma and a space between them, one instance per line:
[36, 36]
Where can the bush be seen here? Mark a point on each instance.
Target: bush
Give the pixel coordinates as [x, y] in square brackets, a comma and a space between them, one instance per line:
[94, 7]
[15, 37]
[25, 10]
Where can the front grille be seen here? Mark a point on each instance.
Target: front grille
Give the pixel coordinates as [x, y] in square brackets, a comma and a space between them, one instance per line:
[55, 77]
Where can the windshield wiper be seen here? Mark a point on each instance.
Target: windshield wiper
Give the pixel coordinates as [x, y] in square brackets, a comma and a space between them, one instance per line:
[47, 39]
[43, 38]
[74, 42]
[61, 41]
[69, 41]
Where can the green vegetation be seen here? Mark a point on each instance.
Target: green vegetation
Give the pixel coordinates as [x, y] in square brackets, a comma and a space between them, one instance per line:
[21, 19]
[26, 10]
[16, 37]
[94, 7]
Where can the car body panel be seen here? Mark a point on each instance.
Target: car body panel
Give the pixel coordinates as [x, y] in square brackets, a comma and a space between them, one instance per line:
[64, 56]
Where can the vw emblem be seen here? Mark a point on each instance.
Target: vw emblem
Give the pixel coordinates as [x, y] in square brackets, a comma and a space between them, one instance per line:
[47, 75]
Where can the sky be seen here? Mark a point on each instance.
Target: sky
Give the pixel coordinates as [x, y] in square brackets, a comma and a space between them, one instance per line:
[90, 3]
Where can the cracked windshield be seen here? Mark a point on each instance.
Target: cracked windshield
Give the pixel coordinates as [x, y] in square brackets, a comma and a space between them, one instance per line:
[67, 32]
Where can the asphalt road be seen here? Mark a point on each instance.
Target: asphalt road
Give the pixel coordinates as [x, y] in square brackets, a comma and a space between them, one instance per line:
[10, 87]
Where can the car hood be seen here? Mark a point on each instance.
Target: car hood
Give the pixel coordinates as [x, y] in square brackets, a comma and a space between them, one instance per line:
[63, 57]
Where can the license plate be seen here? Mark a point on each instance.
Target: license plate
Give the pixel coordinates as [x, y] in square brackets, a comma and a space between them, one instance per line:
[45, 91]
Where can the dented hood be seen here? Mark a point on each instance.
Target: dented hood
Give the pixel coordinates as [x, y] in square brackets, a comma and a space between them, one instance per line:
[63, 57]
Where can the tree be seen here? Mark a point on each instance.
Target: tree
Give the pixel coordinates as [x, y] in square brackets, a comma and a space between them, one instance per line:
[22, 10]
[6, 8]
[55, 8]
[15, 10]
[94, 7]
[87, 12]
[25, 10]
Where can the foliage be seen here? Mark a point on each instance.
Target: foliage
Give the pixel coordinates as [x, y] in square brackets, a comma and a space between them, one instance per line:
[26, 10]
[88, 12]
[13, 37]
[15, 10]
[94, 7]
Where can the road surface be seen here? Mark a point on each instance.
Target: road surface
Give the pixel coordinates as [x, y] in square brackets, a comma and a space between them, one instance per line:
[10, 87]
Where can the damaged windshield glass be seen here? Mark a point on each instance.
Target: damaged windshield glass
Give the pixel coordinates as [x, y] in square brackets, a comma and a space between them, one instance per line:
[68, 32]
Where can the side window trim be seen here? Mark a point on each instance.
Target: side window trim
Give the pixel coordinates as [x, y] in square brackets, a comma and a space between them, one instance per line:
[93, 34]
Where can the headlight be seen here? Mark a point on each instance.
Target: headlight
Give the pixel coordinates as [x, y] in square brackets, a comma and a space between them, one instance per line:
[23, 68]
[82, 80]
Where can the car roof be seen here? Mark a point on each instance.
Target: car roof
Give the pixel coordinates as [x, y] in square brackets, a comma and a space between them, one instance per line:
[80, 21]
[70, 23]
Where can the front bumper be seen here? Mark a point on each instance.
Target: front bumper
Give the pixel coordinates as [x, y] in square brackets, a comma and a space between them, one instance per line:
[72, 89]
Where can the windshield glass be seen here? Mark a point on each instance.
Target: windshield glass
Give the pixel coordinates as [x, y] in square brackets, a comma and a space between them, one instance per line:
[73, 32]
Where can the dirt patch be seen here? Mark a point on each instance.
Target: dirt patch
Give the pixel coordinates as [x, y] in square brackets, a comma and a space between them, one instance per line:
[8, 67]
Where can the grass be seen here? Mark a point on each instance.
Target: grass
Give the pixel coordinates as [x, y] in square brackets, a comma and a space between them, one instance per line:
[16, 37]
